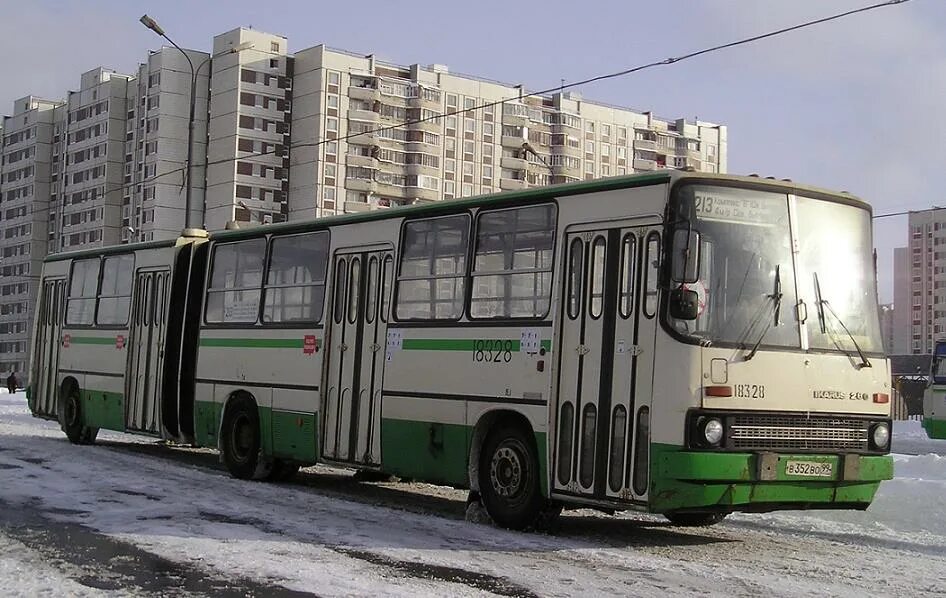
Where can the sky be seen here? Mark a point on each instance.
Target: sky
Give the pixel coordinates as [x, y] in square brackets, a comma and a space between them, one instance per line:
[848, 105]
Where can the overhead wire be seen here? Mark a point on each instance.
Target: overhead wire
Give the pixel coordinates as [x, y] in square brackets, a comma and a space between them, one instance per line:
[544, 92]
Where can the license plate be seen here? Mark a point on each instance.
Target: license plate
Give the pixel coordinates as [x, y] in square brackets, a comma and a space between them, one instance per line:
[818, 469]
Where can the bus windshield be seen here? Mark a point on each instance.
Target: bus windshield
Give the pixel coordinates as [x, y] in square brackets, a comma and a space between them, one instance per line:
[749, 282]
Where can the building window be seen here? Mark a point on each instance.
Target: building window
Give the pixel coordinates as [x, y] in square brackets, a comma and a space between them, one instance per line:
[274, 46]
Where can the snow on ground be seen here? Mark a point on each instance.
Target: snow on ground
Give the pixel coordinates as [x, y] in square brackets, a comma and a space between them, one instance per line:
[330, 536]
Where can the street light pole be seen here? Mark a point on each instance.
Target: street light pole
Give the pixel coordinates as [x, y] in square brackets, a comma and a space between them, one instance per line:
[153, 26]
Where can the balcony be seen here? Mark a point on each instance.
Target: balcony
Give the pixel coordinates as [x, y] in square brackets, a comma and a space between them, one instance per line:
[356, 206]
[645, 144]
[645, 164]
[364, 115]
[515, 141]
[514, 163]
[361, 185]
[512, 184]
[364, 93]
[364, 161]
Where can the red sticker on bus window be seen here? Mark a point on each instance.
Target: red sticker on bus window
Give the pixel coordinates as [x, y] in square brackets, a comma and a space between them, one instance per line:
[66, 339]
[120, 341]
[309, 344]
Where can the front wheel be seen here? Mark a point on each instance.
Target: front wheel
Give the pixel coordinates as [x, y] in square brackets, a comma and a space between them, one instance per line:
[71, 420]
[509, 479]
[241, 444]
[695, 519]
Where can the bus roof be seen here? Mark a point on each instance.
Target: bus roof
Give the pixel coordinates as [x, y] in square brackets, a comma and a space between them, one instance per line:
[538, 194]
[494, 199]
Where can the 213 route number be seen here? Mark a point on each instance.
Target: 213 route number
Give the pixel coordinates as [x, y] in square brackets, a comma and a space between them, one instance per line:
[492, 351]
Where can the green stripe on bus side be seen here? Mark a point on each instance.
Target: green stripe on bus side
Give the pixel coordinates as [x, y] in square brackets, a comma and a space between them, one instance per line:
[92, 340]
[459, 344]
[254, 343]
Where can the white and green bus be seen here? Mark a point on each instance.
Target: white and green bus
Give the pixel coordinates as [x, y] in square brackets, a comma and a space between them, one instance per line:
[683, 343]
[934, 398]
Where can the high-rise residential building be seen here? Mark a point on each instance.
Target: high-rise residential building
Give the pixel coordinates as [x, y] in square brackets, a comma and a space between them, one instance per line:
[156, 133]
[466, 142]
[25, 176]
[279, 136]
[920, 284]
[248, 150]
[88, 210]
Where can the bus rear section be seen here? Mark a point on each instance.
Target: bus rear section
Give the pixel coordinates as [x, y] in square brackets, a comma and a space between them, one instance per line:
[108, 341]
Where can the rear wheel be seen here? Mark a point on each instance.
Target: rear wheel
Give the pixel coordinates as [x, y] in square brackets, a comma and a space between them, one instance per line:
[71, 420]
[241, 444]
[695, 519]
[509, 478]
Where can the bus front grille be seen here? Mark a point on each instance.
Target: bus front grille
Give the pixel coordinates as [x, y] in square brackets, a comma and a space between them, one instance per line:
[798, 432]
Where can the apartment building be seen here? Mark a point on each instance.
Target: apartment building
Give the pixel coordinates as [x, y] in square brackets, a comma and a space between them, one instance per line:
[920, 284]
[466, 142]
[25, 178]
[92, 161]
[155, 154]
[280, 136]
[248, 145]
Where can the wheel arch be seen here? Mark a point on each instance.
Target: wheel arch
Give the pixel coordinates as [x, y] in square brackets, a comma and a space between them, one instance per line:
[235, 394]
[487, 422]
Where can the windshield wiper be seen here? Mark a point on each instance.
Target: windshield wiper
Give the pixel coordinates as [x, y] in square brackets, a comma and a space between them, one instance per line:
[822, 320]
[777, 297]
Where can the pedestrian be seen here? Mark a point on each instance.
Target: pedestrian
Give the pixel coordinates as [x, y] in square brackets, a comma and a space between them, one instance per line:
[12, 382]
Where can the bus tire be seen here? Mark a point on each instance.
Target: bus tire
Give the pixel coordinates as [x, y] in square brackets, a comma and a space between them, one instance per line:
[241, 443]
[71, 419]
[695, 519]
[282, 471]
[509, 478]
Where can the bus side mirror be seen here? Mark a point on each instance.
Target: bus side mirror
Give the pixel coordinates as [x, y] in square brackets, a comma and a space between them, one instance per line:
[684, 304]
[685, 265]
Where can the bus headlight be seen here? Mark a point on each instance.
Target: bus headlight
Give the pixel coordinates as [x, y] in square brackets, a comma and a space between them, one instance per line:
[711, 431]
[880, 436]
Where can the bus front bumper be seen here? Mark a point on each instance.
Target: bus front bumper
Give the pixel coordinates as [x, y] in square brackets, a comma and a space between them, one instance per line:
[716, 481]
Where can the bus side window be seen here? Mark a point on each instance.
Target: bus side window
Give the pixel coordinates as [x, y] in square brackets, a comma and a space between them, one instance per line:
[236, 277]
[512, 264]
[115, 297]
[295, 281]
[431, 277]
[652, 269]
[83, 287]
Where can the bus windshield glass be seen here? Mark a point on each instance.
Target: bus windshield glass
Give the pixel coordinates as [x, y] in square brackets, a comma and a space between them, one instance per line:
[749, 283]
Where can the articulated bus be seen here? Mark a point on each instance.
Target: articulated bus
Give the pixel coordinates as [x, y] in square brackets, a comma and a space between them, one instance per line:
[677, 342]
[934, 398]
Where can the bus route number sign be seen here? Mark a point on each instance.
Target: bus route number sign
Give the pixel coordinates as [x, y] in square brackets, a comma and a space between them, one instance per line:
[753, 211]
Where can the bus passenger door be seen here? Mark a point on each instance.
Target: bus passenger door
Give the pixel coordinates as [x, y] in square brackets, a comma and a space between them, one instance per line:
[603, 342]
[351, 413]
[48, 341]
[144, 368]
